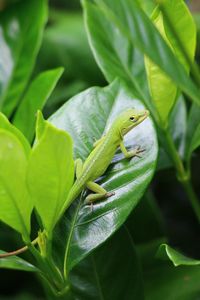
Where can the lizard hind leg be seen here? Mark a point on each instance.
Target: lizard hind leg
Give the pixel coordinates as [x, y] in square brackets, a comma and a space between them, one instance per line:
[100, 192]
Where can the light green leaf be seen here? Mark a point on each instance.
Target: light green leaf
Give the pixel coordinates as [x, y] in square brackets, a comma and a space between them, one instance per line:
[16, 263]
[50, 172]
[35, 98]
[5, 124]
[15, 203]
[167, 252]
[21, 28]
[162, 88]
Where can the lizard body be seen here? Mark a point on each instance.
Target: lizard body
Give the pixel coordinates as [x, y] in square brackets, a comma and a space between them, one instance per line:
[100, 157]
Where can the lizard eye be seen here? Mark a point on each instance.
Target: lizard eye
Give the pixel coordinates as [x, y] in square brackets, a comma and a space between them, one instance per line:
[132, 118]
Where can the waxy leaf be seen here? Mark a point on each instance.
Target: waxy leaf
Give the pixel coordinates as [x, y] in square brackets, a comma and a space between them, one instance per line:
[87, 117]
[92, 279]
[15, 202]
[128, 20]
[50, 172]
[163, 89]
[21, 31]
[16, 263]
[35, 98]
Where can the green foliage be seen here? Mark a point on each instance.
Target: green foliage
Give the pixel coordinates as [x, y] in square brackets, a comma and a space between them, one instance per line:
[145, 50]
[128, 178]
[21, 35]
[44, 84]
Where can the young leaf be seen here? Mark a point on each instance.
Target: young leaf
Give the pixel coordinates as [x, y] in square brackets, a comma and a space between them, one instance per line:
[15, 202]
[35, 98]
[16, 263]
[5, 124]
[22, 26]
[162, 88]
[167, 252]
[87, 117]
[50, 172]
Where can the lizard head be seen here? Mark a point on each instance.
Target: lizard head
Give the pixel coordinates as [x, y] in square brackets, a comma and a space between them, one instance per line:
[130, 118]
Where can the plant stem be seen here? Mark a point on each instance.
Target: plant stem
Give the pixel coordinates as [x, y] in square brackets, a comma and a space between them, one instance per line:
[183, 175]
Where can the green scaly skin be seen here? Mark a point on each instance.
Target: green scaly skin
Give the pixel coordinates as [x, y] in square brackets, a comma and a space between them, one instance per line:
[99, 159]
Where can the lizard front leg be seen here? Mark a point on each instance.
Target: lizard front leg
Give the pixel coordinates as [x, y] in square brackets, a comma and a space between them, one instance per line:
[132, 153]
[100, 192]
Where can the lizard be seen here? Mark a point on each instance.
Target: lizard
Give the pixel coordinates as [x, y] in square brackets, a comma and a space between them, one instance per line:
[98, 161]
[100, 157]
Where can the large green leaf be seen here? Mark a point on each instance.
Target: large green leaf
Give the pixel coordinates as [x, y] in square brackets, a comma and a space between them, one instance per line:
[119, 277]
[35, 98]
[16, 263]
[50, 172]
[20, 37]
[15, 202]
[114, 51]
[128, 20]
[86, 117]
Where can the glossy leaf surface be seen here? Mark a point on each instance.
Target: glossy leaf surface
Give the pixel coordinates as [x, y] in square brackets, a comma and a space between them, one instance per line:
[86, 117]
[110, 272]
[16, 205]
[130, 20]
[34, 99]
[50, 172]
[20, 37]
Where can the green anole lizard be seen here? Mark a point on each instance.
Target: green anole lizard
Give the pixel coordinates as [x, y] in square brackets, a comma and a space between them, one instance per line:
[100, 157]
[98, 161]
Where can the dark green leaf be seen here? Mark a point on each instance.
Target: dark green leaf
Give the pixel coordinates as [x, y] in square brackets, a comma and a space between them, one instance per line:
[193, 131]
[110, 272]
[86, 117]
[130, 21]
[164, 281]
[35, 98]
[21, 33]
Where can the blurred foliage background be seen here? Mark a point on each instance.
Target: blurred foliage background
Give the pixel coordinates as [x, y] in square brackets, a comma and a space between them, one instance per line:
[65, 44]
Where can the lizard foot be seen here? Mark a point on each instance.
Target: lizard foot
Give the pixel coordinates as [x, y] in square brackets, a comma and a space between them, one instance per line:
[137, 151]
